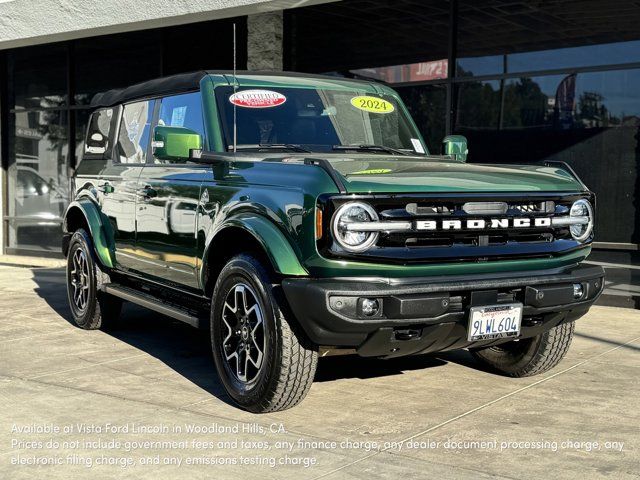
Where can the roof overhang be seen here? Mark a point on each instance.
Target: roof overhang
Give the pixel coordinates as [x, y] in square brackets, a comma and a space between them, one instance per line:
[23, 22]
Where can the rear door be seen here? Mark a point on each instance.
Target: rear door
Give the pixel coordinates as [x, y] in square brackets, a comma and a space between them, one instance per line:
[169, 198]
[118, 183]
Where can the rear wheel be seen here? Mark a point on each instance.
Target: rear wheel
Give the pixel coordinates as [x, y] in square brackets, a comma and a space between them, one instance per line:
[90, 309]
[262, 363]
[529, 356]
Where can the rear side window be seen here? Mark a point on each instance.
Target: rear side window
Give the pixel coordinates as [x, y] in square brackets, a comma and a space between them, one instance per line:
[135, 126]
[98, 142]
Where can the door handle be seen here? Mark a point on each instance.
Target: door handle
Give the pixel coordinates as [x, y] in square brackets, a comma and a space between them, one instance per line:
[148, 192]
[106, 188]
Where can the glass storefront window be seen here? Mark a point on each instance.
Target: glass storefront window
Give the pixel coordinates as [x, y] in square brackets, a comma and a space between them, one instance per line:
[115, 61]
[81, 121]
[590, 120]
[410, 73]
[478, 105]
[39, 77]
[427, 106]
[575, 57]
[498, 36]
[479, 66]
[38, 180]
[552, 59]
[49, 87]
[360, 34]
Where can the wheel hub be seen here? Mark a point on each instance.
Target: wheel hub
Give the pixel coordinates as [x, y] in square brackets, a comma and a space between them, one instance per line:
[79, 277]
[244, 339]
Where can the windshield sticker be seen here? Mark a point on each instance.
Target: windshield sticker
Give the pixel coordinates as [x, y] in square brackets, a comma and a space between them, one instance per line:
[417, 145]
[372, 104]
[257, 99]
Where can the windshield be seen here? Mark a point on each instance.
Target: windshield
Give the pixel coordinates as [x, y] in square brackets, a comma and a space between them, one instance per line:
[316, 120]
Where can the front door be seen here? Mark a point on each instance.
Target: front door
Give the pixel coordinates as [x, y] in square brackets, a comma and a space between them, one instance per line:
[168, 200]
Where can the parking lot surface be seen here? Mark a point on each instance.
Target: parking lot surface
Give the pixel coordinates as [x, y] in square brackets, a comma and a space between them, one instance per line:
[143, 401]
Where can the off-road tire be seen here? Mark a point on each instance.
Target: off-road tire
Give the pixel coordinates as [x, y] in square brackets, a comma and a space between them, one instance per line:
[288, 363]
[530, 356]
[101, 310]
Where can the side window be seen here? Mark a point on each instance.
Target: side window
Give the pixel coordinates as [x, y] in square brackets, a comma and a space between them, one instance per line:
[97, 143]
[183, 111]
[135, 126]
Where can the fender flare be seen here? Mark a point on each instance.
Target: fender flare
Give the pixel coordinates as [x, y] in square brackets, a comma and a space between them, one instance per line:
[266, 233]
[98, 229]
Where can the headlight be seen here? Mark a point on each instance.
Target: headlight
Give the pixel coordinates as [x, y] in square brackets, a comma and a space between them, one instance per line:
[346, 218]
[581, 211]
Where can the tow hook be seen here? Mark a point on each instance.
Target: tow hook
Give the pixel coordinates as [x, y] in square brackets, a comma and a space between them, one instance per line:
[404, 335]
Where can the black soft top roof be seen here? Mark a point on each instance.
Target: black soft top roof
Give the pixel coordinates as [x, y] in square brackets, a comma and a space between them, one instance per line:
[182, 82]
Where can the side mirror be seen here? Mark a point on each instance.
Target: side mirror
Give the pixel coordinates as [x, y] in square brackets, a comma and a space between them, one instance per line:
[174, 143]
[96, 144]
[456, 146]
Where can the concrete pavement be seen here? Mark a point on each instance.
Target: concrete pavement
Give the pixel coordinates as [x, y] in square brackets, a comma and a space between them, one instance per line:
[104, 405]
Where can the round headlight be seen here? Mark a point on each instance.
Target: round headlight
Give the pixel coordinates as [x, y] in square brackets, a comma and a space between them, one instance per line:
[350, 239]
[583, 211]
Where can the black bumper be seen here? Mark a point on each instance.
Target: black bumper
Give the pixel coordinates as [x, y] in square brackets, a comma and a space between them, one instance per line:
[420, 315]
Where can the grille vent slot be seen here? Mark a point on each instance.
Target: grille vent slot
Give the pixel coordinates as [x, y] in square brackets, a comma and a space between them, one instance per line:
[485, 208]
[415, 209]
[538, 207]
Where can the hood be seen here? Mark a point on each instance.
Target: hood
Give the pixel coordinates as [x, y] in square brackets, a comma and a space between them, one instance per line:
[377, 174]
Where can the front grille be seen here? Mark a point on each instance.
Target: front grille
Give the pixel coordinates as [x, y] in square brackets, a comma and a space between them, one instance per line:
[463, 244]
[397, 240]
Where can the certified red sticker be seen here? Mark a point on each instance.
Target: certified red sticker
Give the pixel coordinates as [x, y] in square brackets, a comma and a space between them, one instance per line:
[257, 99]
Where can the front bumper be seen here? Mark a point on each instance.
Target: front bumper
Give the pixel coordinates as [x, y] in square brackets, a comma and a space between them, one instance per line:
[421, 315]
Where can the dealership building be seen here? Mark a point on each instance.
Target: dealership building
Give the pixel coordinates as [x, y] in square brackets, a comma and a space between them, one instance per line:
[524, 81]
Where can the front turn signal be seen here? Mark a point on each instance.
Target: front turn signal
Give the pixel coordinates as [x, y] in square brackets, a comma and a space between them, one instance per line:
[318, 224]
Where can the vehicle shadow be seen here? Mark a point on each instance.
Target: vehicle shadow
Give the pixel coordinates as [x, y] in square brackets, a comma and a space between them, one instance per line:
[184, 349]
[187, 350]
[353, 366]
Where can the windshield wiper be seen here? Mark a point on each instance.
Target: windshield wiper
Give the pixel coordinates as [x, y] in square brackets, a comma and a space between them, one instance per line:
[275, 146]
[371, 148]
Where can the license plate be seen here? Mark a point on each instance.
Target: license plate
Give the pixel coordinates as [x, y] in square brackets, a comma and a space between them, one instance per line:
[494, 321]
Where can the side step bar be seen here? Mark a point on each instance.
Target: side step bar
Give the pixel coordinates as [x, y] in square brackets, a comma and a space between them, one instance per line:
[152, 303]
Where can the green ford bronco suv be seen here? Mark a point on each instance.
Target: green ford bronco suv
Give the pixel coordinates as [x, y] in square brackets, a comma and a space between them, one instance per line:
[296, 216]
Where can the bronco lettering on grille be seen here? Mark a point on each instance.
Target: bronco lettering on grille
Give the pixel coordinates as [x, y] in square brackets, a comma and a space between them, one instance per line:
[481, 224]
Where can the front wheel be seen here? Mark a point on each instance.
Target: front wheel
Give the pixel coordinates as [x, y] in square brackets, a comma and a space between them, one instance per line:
[90, 309]
[262, 363]
[529, 356]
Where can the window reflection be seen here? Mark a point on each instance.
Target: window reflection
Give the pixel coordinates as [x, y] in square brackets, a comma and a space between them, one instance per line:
[39, 77]
[479, 66]
[133, 140]
[114, 61]
[38, 179]
[412, 72]
[478, 105]
[427, 106]
[498, 36]
[553, 59]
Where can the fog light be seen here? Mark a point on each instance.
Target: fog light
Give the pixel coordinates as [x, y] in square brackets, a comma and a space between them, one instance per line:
[578, 291]
[370, 307]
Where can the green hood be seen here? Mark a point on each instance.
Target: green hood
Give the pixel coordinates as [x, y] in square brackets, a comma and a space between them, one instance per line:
[377, 174]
